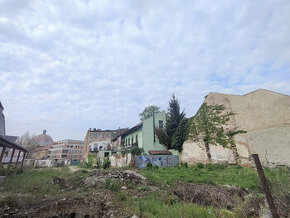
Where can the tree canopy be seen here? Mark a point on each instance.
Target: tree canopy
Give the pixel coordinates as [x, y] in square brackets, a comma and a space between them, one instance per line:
[208, 125]
[180, 135]
[148, 112]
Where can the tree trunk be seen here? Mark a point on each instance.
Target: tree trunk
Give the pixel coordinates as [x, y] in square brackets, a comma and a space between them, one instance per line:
[207, 150]
[235, 152]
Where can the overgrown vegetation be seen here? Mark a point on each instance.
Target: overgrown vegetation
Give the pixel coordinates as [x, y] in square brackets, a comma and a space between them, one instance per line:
[137, 151]
[159, 196]
[6, 171]
[216, 174]
[95, 163]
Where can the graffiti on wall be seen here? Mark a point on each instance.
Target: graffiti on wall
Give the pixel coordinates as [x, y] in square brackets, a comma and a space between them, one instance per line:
[159, 160]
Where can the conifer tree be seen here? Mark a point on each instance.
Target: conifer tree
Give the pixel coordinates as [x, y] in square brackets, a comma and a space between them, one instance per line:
[180, 135]
[174, 116]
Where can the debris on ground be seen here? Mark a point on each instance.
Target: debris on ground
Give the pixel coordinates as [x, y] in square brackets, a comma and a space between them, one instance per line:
[93, 205]
[210, 195]
[101, 176]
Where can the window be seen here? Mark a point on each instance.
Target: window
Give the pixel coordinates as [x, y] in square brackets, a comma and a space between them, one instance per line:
[161, 124]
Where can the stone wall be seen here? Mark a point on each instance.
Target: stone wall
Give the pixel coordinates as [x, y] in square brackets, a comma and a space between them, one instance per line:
[121, 160]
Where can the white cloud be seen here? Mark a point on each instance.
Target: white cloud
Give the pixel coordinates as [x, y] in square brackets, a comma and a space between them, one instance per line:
[69, 66]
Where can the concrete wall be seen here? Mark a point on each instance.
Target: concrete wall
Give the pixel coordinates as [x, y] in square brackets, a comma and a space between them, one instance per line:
[272, 145]
[194, 153]
[265, 115]
[159, 160]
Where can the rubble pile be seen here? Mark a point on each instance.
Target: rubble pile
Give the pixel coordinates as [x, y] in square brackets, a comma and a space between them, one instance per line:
[101, 176]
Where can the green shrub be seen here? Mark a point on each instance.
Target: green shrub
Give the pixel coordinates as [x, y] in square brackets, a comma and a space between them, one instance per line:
[6, 171]
[106, 163]
[184, 165]
[108, 182]
[98, 163]
[200, 165]
[149, 165]
[91, 160]
[137, 151]
[155, 167]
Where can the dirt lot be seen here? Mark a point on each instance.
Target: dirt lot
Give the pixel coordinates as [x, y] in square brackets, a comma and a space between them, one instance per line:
[121, 193]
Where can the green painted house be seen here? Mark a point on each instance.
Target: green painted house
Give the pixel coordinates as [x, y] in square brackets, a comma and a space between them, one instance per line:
[143, 134]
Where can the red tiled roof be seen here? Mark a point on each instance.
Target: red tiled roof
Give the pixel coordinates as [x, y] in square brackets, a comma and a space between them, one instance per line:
[160, 152]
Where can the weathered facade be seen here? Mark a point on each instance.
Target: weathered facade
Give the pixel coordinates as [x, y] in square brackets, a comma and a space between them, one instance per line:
[99, 142]
[264, 115]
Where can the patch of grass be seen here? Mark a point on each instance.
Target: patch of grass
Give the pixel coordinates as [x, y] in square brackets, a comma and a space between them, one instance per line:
[39, 183]
[215, 174]
[113, 185]
[150, 207]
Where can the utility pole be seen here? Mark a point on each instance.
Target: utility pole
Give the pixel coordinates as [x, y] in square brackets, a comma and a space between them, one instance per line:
[265, 186]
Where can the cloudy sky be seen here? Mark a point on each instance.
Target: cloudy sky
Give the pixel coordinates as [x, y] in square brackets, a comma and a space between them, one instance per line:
[66, 66]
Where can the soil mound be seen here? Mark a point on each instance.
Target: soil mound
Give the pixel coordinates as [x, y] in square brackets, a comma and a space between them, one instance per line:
[210, 195]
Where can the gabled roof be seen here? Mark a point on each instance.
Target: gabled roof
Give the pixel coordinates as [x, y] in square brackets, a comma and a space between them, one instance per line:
[11, 144]
[11, 138]
[119, 133]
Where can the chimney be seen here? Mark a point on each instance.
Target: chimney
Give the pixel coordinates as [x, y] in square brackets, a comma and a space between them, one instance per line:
[44, 132]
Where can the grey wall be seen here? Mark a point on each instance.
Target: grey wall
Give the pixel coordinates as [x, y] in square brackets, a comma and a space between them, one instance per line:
[159, 160]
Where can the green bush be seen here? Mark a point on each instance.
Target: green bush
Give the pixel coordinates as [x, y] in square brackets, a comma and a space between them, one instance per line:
[184, 165]
[6, 171]
[200, 165]
[98, 163]
[155, 167]
[106, 163]
[149, 165]
[137, 151]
